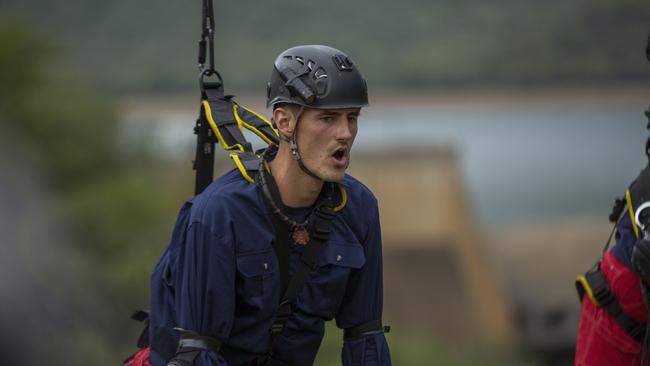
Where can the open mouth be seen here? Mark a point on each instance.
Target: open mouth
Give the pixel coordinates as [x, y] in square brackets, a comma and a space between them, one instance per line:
[340, 156]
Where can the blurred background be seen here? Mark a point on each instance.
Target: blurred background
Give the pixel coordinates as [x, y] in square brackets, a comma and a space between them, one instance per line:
[498, 136]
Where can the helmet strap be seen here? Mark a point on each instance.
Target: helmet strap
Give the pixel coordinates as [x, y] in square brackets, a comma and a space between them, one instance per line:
[293, 145]
[296, 155]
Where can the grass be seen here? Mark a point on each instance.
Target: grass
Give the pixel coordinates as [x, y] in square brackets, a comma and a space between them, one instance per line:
[422, 349]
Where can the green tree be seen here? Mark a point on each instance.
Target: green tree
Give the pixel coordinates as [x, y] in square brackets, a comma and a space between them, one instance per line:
[110, 206]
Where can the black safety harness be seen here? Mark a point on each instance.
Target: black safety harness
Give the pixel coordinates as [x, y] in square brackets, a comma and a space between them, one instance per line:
[291, 287]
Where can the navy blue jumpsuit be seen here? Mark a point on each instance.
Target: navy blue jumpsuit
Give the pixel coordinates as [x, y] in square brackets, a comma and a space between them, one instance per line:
[219, 277]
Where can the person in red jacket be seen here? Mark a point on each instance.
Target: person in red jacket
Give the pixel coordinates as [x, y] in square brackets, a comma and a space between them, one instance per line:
[614, 294]
[602, 338]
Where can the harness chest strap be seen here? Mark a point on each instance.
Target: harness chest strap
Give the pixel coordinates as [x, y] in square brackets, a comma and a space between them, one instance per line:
[595, 286]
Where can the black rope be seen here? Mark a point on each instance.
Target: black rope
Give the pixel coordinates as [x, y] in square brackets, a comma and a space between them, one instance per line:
[609, 240]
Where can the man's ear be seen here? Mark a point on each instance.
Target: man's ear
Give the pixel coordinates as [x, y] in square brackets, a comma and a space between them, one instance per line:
[284, 121]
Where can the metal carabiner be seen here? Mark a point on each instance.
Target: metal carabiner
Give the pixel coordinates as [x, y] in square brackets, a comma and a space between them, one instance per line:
[640, 211]
[208, 73]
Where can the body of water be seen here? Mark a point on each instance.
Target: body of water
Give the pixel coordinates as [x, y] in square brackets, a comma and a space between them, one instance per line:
[529, 161]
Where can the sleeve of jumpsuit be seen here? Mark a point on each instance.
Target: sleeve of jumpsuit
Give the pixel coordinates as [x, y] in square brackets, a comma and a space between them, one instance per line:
[363, 302]
[205, 297]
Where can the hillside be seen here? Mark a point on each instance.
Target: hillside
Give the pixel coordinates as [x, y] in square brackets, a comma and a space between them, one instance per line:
[151, 45]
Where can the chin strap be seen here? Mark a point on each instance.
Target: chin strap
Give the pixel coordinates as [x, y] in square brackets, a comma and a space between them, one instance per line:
[296, 154]
[293, 145]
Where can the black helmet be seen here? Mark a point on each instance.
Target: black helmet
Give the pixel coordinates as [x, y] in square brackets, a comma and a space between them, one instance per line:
[318, 77]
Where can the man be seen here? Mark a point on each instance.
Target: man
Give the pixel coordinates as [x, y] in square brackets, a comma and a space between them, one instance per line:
[238, 247]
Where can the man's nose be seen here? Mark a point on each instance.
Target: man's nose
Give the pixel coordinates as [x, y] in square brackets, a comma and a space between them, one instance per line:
[344, 130]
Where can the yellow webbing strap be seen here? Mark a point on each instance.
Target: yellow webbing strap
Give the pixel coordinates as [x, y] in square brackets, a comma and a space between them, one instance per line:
[242, 122]
[630, 209]
[242, 169]
[215, 128]
[582, 285]
[344, 198]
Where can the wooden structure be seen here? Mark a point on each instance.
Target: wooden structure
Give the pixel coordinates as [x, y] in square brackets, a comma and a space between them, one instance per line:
[438, 276]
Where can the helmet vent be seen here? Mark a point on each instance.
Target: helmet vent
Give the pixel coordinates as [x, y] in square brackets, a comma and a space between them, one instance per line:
[299, 59]
[343, 63]
[310, 65]
[320, 74]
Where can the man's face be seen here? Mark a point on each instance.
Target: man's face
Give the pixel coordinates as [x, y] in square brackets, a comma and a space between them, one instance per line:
[325, 138]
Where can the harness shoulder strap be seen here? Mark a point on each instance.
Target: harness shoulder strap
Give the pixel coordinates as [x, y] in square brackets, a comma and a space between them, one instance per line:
[257, 124]
[247, 163]
[227, 118]
[221, 121]
[319, 234]
[218, 111]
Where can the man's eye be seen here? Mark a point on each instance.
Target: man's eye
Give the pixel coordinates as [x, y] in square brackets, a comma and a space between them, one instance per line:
[327, 119]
